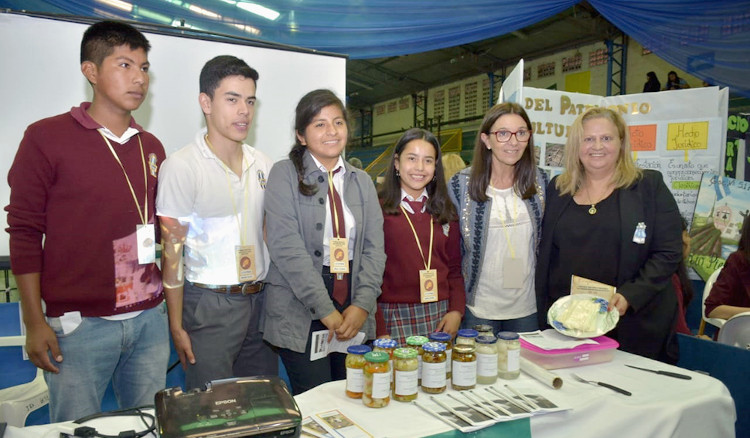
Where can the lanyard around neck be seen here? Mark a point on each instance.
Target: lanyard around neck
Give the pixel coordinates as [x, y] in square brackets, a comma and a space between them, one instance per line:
[333, 191]
[142, 213]
[241, 225]
[428, 262]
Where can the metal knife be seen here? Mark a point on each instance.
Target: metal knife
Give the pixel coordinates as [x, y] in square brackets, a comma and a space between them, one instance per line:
[663, 373]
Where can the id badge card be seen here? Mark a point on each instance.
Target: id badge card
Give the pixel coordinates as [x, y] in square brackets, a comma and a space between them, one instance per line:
[245, 257]
[339, 263]
[145, 235]
[428, 285]
[639, 236]
[513, 270]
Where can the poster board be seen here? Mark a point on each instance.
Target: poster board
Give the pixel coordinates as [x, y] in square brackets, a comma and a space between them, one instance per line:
[41, 78]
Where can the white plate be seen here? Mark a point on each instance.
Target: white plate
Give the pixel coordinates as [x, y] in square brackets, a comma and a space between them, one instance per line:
[605, 321]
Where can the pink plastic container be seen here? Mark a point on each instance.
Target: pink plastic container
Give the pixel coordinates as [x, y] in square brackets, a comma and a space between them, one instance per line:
[587, 354]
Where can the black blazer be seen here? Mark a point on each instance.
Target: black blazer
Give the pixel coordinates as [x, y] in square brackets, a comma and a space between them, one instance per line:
[645, 271]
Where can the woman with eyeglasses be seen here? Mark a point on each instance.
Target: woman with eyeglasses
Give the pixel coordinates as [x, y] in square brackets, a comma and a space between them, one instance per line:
[500, 204]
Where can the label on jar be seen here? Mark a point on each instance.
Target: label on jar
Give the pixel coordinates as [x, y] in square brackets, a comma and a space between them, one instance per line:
[433, 375]
[464, 373]
[406, 382]
[381, 385]
[419, 367]
[486, 364]
[514, 360]
[355, 380]
[448, 360]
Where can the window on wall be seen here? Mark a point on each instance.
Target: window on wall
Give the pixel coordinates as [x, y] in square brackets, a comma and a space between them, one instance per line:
[392, 106]
[527, 74]
[572, 63]
[470, 99]
[485, 95]
[438, 104]
[598, 57]
[454, 103]
[404, 103]
[380, 109]
[545, 70]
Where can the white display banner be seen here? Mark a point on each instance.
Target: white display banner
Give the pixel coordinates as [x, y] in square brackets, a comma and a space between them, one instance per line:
[680, 133]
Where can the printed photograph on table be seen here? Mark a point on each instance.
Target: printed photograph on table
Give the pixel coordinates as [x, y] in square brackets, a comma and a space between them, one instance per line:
[722, 205]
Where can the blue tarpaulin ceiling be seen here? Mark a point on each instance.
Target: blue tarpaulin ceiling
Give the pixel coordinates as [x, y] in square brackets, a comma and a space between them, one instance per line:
[707, 38]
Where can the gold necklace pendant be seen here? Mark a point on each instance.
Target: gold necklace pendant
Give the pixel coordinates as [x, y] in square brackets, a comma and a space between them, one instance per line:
[592, 210]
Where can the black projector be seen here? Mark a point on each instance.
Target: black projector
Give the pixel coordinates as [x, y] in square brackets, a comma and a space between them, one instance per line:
[258, 406]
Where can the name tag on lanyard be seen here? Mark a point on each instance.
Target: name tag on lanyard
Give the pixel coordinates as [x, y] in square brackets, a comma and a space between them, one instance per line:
[146, 238]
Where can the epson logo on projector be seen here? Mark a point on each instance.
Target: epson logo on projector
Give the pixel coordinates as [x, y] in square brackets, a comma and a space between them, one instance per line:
[225, 402]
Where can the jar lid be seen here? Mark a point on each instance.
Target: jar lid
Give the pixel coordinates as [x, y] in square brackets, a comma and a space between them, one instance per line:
[433, 347]
[405, 353]
[416, 340]
[377, 356]
[385, 343]
[468, 333]
[463, 348]
[358, 349]
[440, 336]
[486, 339]
[483, 328]
[507, 336]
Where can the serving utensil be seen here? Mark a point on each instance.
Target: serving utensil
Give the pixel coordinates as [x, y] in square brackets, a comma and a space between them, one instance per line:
[606, 385]
[663, 373]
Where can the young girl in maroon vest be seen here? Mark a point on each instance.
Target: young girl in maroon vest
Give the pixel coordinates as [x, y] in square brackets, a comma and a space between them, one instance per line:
[423, 288]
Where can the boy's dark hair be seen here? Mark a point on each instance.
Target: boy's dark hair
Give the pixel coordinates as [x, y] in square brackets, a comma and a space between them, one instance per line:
[100, 40]
[220, 67]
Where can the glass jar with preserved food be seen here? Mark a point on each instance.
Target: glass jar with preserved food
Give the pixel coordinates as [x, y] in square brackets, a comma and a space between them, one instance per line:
[433, 368]
[484, 330]
[386, 345]
[417, 342]
[486, 360]
[355, 364]
[377, 373]
[444, 338]
[467, 336]
[464, 367]
[508, 355]
[406, 366]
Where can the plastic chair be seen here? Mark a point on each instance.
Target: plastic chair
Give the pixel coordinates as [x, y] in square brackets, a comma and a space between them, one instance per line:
[717, 322]
[736, 331]
[17, 402]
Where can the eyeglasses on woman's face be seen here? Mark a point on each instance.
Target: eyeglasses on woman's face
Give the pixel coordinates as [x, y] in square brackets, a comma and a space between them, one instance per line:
[503, 135]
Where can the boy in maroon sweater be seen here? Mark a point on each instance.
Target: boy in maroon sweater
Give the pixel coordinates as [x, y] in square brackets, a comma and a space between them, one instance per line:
[82, 233]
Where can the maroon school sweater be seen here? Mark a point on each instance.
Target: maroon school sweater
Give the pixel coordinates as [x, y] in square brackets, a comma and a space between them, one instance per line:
[403, 262]
[73, 219]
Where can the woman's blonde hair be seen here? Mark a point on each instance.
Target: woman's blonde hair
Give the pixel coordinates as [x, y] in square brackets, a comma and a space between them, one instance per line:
[452, 163]
[626, 172]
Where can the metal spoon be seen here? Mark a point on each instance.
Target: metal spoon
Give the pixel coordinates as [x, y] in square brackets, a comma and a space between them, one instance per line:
[606, 385]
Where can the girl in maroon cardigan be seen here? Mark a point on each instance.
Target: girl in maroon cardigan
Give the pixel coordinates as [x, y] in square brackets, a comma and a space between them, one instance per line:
[423, 288]
[731, 292]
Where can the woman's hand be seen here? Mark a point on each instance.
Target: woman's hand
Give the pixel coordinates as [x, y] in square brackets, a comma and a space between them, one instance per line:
[619, 302]
[332, 321]
[354, 318]
[450, 323]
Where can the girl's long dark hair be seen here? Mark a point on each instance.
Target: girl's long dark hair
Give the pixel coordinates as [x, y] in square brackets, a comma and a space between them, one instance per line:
[438, 204]
[524, 174]
[307, 109]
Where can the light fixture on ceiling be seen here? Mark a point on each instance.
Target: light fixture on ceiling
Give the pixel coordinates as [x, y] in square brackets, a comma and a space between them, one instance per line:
[205, 12]
[119, 4]
[257, 9]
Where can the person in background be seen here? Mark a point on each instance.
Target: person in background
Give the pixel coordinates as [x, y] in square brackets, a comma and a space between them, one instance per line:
[675, 82]
[652, 83]
[609, 221]
[683, 287]
[730, 294]
[83, 236]
[324, 232]
[210, 204]
[452, 163]
[500, 202]
[423, 289]
[355, 162]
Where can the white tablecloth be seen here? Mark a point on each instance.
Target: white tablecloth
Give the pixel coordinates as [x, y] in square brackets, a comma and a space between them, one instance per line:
[660, 407]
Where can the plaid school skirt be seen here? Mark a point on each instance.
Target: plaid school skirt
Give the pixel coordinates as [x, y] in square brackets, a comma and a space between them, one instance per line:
[409, 319]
